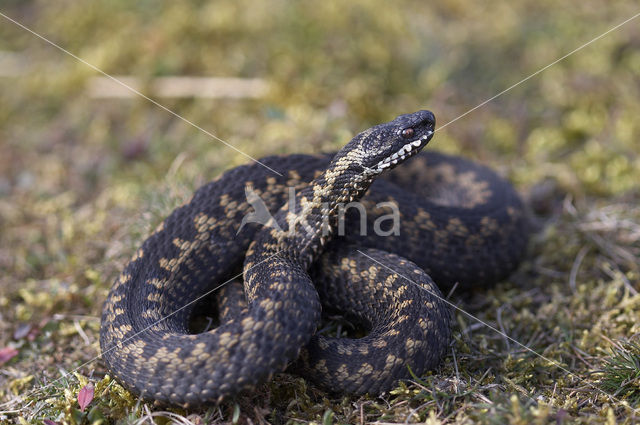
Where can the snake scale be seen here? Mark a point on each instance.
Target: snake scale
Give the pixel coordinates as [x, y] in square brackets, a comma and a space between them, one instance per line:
[437, 216]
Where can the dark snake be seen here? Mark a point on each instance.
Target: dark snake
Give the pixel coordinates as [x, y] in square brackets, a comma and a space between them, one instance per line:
[455, 222]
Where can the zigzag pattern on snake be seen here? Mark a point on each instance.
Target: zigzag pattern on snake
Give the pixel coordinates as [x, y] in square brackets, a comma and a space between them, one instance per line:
[458, 222]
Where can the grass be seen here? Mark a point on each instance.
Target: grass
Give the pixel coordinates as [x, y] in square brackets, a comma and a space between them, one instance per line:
[84, 180]
[621, 372]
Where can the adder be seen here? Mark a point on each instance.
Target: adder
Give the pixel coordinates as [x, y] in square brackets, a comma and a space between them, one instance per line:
[451, 220]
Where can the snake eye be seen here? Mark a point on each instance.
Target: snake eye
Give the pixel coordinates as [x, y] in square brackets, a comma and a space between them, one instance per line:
[407, 133]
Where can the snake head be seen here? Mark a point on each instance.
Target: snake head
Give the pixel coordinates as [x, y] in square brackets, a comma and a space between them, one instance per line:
[385, 145]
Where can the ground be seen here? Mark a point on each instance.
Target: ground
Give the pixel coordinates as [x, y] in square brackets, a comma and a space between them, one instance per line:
[84, 178]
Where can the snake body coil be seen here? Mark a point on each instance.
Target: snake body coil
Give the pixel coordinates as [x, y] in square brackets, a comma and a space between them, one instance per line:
[458, 221]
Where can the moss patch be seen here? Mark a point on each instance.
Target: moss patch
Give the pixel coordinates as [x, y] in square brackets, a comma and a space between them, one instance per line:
[84, 180]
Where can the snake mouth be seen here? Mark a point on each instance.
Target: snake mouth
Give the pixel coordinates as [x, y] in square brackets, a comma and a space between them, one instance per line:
[403, 153]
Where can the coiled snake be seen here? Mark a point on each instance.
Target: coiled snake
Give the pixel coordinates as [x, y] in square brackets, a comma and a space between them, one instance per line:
[448, 217]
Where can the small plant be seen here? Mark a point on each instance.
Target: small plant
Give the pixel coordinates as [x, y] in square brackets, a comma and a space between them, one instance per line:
[621, 373]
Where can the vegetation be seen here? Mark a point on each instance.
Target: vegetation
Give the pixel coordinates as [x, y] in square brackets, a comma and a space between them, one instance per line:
[84, 179]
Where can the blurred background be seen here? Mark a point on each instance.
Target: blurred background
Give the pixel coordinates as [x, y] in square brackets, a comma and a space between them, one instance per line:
[87, 167]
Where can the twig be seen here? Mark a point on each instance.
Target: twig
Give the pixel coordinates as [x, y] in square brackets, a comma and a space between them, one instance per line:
[576, 265]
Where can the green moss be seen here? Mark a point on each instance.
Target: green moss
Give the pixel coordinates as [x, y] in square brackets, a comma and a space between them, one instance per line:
[83, 181]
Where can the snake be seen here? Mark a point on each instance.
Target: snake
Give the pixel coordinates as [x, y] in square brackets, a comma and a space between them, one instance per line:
[343, 232]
